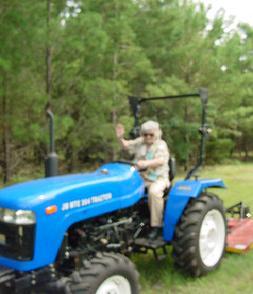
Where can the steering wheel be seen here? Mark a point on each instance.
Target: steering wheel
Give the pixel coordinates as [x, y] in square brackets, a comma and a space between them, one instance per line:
[132, 163]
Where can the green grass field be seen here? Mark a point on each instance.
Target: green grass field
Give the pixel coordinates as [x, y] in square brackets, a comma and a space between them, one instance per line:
[235, 274]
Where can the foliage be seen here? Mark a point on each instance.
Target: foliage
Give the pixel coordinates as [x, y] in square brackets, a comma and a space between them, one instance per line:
[103, 51]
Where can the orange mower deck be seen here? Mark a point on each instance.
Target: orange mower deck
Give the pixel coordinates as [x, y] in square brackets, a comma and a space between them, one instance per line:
[240, 235]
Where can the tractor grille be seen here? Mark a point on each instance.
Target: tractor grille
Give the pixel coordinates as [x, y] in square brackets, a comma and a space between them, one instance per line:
[17, 241]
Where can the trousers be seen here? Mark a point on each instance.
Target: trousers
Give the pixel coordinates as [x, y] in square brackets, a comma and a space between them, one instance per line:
[156, 201]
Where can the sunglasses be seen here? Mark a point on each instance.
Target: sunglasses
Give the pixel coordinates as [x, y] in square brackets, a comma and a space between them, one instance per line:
[148, 135]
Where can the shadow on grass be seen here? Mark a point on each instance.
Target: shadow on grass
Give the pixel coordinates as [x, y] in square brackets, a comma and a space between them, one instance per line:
[159, 276]
[235, 273]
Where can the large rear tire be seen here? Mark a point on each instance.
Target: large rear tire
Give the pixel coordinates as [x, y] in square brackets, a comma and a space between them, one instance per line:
[200, 236]
[105, 274]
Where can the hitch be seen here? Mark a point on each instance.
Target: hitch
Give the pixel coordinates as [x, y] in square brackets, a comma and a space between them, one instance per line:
[239, 209]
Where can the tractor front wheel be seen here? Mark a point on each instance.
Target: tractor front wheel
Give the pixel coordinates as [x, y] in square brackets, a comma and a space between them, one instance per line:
[200, 236]
[105, 273]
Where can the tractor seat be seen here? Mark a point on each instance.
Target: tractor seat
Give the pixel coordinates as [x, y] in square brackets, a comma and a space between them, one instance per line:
[172, 174]
[172, 168]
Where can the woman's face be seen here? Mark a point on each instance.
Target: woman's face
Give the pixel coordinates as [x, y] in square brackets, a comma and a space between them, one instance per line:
[149, 137]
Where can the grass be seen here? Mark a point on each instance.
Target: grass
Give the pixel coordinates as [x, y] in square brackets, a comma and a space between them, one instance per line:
[235, 275]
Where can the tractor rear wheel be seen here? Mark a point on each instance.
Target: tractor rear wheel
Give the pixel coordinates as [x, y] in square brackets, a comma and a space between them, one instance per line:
[107, 273]
[200, 236]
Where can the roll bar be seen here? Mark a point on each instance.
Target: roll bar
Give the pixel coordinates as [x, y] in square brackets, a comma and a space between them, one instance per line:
[135, 104]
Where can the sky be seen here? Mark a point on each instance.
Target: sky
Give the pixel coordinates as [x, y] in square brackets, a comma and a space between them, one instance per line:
[240, 9]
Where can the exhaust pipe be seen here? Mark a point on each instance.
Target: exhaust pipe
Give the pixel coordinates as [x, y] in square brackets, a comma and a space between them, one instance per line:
[51, 162]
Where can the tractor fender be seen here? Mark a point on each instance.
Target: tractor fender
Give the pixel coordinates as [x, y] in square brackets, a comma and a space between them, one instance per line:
[178, 198]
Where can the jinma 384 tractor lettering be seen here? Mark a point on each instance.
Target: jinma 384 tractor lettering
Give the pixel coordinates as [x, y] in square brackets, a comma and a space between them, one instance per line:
[74, 233]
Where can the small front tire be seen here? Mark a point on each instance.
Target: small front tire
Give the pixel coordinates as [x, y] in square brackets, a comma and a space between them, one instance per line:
[105, 273]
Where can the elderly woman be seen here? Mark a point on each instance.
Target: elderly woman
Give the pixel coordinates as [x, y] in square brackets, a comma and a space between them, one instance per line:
[152, 156]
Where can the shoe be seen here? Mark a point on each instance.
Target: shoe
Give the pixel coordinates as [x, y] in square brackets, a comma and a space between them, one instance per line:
[155, 232]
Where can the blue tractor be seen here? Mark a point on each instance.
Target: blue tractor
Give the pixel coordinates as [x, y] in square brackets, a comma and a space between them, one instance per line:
[74, 233]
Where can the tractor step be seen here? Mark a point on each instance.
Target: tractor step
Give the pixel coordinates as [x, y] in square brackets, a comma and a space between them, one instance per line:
[6, 274]
[240, 235]
[144, 244]
[150, 244]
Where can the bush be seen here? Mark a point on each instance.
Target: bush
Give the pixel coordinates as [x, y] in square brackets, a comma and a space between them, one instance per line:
[219, 150]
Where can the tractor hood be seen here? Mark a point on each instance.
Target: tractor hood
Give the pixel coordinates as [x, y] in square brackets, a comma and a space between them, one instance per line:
[37, 192]
[59, 202]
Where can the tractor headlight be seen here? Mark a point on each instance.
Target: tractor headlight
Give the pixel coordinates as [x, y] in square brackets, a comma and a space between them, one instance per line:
[19, 217]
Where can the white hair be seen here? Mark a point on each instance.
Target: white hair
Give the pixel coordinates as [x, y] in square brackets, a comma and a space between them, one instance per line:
[151, 126]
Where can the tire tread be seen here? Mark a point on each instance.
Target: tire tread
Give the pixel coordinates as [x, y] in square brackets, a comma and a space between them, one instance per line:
[185, 243]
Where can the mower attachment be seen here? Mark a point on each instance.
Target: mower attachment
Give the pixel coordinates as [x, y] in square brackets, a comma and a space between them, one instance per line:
[240, 235]
[240, 230]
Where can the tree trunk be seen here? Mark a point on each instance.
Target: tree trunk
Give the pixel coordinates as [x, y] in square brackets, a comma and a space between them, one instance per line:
[48, 55]
[6, 164]
[186, 138]
[114, 112]
[69, 158]
[246, 151]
